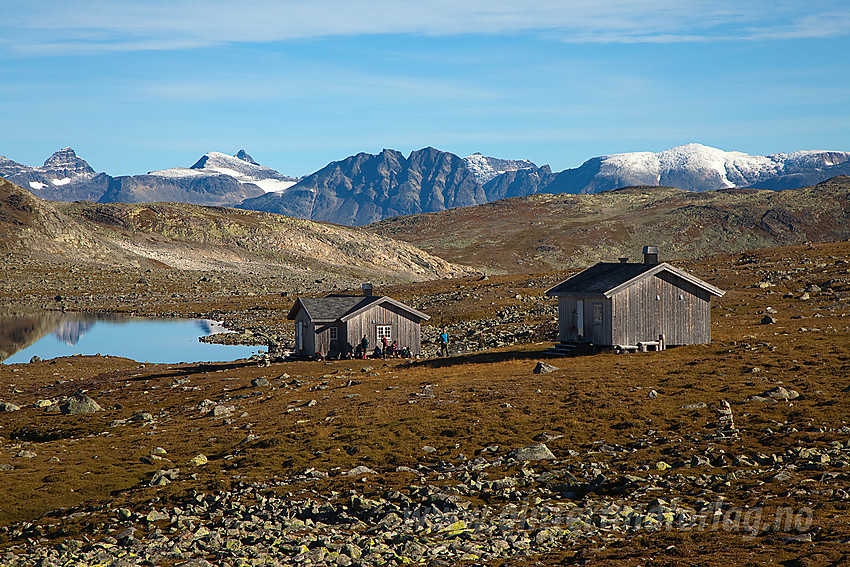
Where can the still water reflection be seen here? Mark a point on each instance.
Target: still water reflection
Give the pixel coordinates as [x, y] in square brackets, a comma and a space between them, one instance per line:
[49, 335]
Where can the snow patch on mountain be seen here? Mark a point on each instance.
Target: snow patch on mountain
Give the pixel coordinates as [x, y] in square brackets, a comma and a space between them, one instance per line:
[240, 167]
[700, 168]
[485, 168]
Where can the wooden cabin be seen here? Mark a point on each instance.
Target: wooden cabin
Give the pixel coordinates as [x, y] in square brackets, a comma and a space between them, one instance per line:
[335, 324]
[633, 306]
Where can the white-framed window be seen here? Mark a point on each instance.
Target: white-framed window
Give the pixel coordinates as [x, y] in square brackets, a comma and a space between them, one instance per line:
[385, 331]
[597, 313]
[332, 334]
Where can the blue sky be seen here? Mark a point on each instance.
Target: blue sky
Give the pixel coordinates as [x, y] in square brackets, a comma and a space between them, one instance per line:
[135, 86]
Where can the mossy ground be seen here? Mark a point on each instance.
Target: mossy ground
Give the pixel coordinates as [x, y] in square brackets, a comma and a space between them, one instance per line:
[375, 417]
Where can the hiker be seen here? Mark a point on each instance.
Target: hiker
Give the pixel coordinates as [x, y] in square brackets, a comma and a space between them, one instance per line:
[393, 353]
[444, 343]
[384, 342]
[378, 352]
[364, 347]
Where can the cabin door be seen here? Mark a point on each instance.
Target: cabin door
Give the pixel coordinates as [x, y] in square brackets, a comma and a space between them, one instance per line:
[299, 336]
[580, 318]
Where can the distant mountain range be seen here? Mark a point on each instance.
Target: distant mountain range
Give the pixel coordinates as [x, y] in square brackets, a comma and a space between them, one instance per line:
[215, 179]
[367, 188]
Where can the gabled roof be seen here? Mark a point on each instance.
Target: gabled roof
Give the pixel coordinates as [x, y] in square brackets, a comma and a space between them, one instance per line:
[343, 307]
[607, 278]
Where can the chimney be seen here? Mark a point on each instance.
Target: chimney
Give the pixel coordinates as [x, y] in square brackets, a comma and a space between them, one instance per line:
[623, 259]
[367, 289]
[650, 254]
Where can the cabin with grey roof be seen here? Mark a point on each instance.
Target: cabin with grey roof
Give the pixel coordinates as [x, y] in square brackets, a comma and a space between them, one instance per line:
[627, 305]
[335, 324]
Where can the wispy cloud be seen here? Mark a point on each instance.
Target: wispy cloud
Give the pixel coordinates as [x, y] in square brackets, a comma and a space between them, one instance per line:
[54, 26]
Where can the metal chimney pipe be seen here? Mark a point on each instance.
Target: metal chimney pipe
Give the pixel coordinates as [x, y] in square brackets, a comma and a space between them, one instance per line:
[367, 289]
[650, 254]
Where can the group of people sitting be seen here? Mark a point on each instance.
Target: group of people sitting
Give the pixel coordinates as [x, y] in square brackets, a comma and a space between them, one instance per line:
[384, 349]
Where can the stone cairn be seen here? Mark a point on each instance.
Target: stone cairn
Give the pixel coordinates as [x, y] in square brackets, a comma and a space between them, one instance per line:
[725, 425]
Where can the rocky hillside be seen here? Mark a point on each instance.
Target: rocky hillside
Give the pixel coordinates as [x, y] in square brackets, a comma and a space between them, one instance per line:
[194, 237]
[544, 232]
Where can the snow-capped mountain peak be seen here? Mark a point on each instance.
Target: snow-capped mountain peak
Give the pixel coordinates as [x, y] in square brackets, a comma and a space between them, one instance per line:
[243, 155]
[698, 167]
[485, 168]
[241, 167]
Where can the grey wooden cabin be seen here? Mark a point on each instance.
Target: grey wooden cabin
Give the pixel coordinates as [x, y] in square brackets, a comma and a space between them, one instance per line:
[335, 324]
[628, 304]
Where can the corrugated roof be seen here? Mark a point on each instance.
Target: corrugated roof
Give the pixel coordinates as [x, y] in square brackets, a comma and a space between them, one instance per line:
[605, 277]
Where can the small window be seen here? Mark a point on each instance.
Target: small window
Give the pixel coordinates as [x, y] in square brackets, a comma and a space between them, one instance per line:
[332, 333]
[597, 313]
[681, 297]
[384, 331]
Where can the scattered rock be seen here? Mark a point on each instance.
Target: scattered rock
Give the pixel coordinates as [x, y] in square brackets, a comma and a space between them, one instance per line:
[544, 368]
[8, 406]
[198, 460]
[768, 320]
[360, 469]
[260, 382]
[156, 515]
[545, 436]
[534, 452]
[79, 404]
[780, 393]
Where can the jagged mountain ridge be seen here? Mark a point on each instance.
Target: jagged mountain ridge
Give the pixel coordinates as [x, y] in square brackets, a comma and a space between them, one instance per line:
[63, 177]
[366, 188]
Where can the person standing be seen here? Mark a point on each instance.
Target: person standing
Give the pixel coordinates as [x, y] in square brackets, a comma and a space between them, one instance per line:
[364, 347]
[444, 343]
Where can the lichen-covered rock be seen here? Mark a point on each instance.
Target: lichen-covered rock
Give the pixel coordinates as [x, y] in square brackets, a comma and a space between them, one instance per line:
[534, 452]
[79, 404]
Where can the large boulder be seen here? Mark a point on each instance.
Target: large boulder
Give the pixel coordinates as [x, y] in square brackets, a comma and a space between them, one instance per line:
[534, 452]
[78, 404]
[544, 368]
